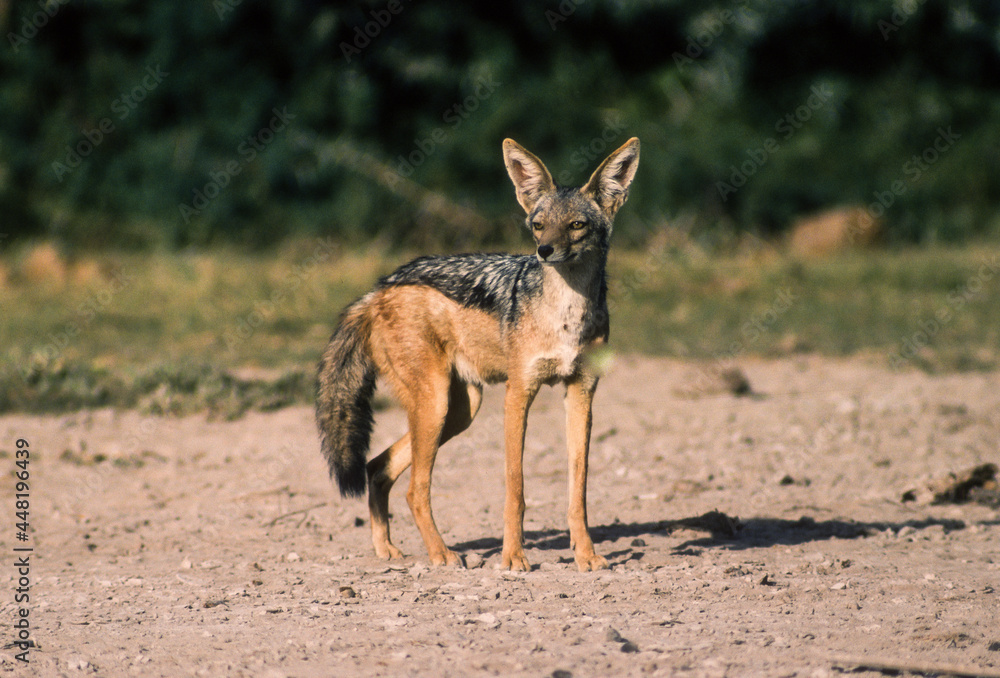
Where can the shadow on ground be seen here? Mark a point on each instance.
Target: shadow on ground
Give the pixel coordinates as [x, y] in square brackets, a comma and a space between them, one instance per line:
[722, 531]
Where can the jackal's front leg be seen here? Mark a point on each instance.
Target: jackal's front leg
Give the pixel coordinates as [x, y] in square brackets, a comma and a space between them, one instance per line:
[515, 418]
[579, 396]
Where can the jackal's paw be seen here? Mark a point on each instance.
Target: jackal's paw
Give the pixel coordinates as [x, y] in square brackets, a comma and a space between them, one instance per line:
[447, 557]
[590, 562]
[387, 551]
[515, 562]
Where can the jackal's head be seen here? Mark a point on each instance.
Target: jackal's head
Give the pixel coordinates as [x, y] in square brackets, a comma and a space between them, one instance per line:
[568, 223]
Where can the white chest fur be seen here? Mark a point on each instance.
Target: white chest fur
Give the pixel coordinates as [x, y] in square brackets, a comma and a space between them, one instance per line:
[564, 316]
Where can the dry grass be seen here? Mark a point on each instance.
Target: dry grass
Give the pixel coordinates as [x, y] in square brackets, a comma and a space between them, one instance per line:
[108, 321]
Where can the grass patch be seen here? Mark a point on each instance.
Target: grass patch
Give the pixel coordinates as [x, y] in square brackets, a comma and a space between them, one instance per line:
[934, 309]
[226, 331]
[175, 390]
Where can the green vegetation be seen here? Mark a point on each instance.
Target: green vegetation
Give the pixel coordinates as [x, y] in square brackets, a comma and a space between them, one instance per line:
[191, 191]
[131, 124]
[227, 331]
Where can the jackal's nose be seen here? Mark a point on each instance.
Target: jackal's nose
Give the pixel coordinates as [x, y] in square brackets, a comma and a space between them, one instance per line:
[545, 251]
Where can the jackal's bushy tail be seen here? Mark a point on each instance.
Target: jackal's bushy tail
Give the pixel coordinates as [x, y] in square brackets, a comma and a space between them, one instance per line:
[344, 387]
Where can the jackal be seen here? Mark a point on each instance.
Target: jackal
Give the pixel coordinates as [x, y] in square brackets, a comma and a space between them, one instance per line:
[440, 327]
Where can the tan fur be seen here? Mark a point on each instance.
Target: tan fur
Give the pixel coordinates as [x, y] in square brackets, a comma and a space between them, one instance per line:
[422, 342]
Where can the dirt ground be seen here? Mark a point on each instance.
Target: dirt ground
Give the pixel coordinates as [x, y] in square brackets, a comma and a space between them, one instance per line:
[174, 547]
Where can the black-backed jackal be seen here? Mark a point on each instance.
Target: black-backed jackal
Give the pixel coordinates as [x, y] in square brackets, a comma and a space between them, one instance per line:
[440, 327]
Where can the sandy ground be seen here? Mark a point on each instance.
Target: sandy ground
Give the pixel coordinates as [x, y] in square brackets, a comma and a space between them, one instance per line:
[173, 547]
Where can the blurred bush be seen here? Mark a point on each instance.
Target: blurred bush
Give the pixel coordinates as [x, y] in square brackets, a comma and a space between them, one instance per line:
[134, 124]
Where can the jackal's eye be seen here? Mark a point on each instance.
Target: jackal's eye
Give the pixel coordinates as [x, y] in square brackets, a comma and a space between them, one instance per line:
[537, 225]
[577, 225]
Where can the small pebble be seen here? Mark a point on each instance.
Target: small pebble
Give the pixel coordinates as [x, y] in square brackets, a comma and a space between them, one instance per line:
[612, 636]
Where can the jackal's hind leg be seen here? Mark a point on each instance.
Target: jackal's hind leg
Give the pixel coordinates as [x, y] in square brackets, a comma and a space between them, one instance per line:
[429, 433]
[383, 471]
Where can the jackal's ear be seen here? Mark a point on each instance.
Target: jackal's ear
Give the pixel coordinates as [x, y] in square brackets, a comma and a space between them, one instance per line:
[609, 183]
[531, 179]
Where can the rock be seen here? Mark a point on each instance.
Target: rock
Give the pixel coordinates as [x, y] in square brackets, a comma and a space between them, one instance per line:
[347, 592]
[474, 561]
[954, 488]
[714, 382]
[735, 382]
[716, 522]
[44, 264]
[835, 230]
[612, 635]
[488, 620]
